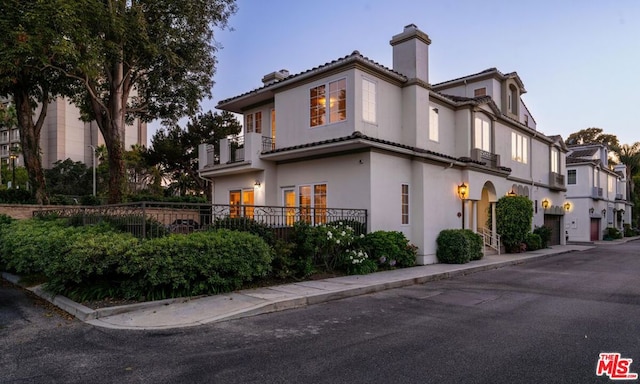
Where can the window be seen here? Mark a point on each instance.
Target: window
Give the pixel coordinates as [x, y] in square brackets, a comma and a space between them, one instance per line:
[526, 120]
[519, 148]
[571, 176]
[555, 158]
[434, 128]
[513, 99]
[335, 109]
[368, 101]
[596, 177]
[482, 133]
[316, 203]
[241, 203]
[258, 122]
[404, 193]
[480, 92]
[248, 126]
[289, 197]
[273, 129]
[610, 186]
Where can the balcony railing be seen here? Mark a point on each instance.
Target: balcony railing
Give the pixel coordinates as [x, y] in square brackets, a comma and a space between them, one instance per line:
[268, 144]
[491, 159]
[556, 180]
[619, 196]
[157, 219]
[596, 193]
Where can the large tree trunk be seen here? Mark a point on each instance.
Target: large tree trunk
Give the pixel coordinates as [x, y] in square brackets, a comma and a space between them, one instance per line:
[30, 142]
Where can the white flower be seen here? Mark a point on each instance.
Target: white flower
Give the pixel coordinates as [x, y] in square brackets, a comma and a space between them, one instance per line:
[362, 235]
[338, 241]
[340, 223]
[343, 233]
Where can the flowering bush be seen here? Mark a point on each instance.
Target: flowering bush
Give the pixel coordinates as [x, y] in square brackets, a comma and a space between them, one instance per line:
[390, 249]
[357, 262]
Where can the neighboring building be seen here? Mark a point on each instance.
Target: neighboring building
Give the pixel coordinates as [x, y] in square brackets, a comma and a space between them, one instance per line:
[65, 136]
[355, 134]
[598, 194]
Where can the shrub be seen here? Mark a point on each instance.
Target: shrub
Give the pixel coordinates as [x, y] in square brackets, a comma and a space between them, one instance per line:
[357, 262]
[5, 219]
[194, 264]
[453, 247]
[389, 249]
[88, 268]
[545, 235]
[304, 239]
[533, 241]
[16, 196]
[246, 224]
[358, 227]
[284, 264]
[476, 244]
[628, 231]
[611, 233]
[513, 220]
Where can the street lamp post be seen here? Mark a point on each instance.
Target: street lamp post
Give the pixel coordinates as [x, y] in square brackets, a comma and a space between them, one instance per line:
[93, 163]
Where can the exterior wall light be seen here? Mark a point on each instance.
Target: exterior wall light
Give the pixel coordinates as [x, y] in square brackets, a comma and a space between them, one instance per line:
[463, 190]
[257, 184]
[512, 193]
[604, 213]
[545, 204]
[591, 210]
[567, 206]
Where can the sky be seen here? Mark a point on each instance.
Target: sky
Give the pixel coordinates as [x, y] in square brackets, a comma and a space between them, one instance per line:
[579, 60]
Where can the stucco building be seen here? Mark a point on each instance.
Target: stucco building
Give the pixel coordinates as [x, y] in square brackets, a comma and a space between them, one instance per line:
[355, 134]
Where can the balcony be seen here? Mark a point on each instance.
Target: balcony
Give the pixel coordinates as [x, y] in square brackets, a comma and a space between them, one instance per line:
[619, 196]
[596, 193]
[492, 160]
[556, 181]
[234, 154]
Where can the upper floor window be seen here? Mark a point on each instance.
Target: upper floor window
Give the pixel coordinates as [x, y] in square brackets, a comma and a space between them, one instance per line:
[253, 123]
[480, 92]
[368, 101]
[555, 160]
[434, 128]
[248, 124]
[596, 177]
[323, 112]
[519, 148]
[513, 99]
[610, 184]
[482, 136]
[571, 176]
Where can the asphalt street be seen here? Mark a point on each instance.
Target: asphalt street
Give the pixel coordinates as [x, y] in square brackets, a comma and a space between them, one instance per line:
[545, 321]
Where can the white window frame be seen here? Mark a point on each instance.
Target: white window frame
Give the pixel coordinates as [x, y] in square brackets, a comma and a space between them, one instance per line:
[519, 148]
[405, 202]
[369, 101]
[482, 133]
[555, 160]
[327, 117]
[248, 123]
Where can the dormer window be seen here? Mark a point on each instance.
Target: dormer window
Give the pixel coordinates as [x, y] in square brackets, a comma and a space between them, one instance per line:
[480, 92]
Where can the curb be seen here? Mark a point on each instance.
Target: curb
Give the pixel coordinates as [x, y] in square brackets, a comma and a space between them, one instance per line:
[93, 317]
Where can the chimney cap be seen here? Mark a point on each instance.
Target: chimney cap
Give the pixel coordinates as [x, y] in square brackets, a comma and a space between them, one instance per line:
[410, 31]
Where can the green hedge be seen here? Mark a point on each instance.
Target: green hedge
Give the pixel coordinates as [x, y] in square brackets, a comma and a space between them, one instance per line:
[545, 235]
[514, 215]
[16, 196]
[458, 246]
[389, 249]
[533, 241]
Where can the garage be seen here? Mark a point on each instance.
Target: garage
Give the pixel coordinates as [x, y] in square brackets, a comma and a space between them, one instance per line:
[553, 222]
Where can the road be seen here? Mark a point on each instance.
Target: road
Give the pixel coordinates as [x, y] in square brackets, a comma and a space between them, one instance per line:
[540, 322]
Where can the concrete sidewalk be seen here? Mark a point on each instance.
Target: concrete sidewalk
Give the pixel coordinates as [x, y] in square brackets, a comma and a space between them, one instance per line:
[186, 312]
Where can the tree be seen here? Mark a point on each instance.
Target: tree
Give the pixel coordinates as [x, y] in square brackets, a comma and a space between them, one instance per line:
[69, 178]
[629, 155]
[33, 40]
[175, 149]
[147, 59]
[592, 136]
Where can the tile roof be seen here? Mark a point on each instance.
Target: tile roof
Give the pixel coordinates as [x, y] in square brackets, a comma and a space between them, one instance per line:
[583, 152]
[355, 56]
[485, 72]
[359, 135]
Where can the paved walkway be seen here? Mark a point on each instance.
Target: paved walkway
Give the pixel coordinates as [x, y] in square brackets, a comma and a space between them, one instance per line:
[176, 313]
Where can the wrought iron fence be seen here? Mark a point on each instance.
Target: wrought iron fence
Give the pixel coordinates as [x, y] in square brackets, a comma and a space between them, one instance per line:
[157, 219]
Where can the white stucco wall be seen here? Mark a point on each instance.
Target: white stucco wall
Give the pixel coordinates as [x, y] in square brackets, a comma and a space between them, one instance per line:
[292, 113]
[388, 124]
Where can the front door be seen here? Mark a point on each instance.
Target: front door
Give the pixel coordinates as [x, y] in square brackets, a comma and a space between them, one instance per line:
[553, 222]
[595, 230]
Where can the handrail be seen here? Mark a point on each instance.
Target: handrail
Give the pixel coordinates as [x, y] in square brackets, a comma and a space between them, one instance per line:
[491, 239]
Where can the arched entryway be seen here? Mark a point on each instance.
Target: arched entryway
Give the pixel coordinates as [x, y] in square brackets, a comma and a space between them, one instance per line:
[487, 200]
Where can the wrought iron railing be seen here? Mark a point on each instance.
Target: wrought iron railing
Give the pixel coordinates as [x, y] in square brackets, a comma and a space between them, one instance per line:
[268, 144]
[156, 219]
[490, 159]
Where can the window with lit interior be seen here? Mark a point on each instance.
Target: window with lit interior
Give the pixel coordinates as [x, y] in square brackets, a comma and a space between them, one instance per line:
[333, 110]
[519, 148]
